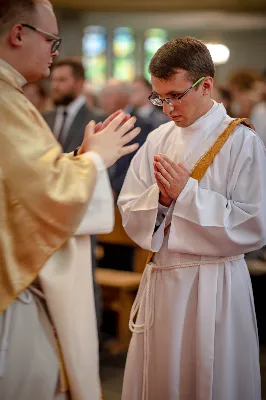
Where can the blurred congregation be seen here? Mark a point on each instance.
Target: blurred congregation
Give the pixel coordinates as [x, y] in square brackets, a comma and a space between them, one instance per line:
[102, 68]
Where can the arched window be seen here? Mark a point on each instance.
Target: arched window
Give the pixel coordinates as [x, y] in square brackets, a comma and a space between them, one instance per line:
[124, 54]
[94, 54]
[154, 39]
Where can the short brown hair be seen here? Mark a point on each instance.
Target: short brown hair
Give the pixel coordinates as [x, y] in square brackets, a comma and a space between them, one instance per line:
[187, 53]
[75, 64]
[17, 11]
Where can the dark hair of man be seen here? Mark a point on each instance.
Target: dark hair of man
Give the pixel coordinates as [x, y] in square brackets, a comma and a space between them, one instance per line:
[75, 65]
[17, 11]
[187, 53]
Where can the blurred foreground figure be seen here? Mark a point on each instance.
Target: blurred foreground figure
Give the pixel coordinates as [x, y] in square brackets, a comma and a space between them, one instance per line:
[258, 114]
[246, 87]
[49, 205]
[195, 195]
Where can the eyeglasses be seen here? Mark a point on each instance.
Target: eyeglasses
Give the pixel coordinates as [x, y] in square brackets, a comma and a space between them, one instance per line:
[56, 40]
[158, 101]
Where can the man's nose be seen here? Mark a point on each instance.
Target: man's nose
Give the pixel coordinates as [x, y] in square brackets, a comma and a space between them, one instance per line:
[167, 108]
[56, 53]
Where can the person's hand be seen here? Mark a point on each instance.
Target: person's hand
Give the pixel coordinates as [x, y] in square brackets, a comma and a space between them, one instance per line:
[101, 126]
[164, 199]
[110, 143]
[173, 177]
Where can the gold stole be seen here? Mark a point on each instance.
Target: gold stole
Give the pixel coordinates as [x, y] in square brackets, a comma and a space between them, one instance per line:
[206, 160]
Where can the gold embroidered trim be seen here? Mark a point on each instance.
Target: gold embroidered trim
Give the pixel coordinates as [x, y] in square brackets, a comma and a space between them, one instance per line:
[207, 159]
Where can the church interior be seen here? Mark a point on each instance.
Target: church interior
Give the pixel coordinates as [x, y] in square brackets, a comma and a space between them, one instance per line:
[115, 41]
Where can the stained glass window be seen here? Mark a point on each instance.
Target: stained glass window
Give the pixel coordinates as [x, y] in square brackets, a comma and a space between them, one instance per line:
[124, 54]
[94, 54]
[154, 39]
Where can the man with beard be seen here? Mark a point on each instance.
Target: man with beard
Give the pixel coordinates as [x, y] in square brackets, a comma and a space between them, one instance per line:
[71, 114]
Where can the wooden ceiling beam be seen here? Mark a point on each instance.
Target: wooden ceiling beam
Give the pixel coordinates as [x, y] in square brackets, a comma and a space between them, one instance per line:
[163, 6]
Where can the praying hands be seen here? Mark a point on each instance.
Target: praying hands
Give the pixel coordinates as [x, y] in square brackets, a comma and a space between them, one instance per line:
[170, 177]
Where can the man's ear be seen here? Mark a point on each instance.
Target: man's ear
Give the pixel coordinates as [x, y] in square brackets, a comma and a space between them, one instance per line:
[80, 83]
[16, 35]
[207, 85]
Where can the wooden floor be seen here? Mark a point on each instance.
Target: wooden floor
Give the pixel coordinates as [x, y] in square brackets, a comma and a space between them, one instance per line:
[112, 370]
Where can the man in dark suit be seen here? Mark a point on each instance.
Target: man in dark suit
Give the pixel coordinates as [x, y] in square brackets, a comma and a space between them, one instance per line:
[71, 114]
[122, 165]
[69, 119]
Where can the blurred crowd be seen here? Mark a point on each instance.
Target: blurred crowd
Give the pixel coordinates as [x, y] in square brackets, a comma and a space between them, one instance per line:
[243, 95]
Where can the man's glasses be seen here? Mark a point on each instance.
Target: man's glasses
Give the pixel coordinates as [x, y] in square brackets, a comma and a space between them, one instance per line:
[158, 101]
[56, 40]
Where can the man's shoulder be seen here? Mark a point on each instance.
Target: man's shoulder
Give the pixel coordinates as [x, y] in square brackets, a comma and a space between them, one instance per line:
[9, 94]
[245, 130]
[14, 103]
[49, 114]
[91, 113]
[49, 117]
[244, 136]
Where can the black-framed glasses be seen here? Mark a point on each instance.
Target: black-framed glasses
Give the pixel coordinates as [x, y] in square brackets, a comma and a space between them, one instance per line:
[158, 101]
[56, 40]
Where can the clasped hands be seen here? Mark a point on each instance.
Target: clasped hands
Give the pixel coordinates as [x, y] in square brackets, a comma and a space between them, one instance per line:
[171, 178]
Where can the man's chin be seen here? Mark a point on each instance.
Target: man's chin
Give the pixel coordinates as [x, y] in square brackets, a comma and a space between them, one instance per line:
[63, 101]
[38, 76]
[47, 72]
[180, 124]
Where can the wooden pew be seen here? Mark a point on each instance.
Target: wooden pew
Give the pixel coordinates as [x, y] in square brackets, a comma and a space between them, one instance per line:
[119, 288]
[119, 236]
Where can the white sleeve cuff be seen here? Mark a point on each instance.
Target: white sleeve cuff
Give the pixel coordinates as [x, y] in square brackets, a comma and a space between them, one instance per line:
[158, 237]
[188, 191]
[97, 159]
[162, 209]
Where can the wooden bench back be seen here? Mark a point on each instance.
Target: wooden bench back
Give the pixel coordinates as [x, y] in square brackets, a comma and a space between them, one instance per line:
[120, 237]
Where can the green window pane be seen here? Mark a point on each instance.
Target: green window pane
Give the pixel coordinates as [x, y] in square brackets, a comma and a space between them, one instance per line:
[154, 39]
[124, 54]
[94, 54]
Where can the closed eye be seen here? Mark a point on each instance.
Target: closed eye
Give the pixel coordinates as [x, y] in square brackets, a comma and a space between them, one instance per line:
[174, 96]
